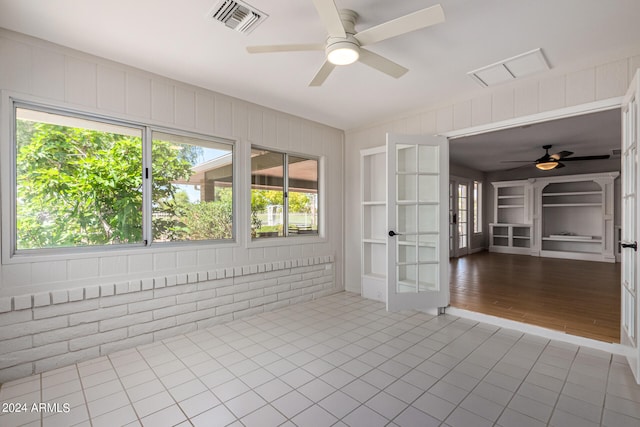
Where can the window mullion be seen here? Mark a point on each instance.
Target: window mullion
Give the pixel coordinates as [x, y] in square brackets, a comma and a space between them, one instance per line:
[147, 177]
[285, 198]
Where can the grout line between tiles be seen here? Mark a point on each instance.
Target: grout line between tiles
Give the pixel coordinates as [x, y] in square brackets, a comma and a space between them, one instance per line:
[301, 329]
[515, 392]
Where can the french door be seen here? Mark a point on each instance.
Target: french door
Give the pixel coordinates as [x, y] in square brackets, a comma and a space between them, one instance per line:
[453, 220]
[630, 303]
[459, 210]
[417, 216]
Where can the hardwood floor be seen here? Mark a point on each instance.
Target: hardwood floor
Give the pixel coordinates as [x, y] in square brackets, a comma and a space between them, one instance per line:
[577, 297]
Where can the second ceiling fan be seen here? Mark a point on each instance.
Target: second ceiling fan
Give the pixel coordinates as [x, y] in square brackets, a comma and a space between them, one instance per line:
[345, 46]
[552, 161]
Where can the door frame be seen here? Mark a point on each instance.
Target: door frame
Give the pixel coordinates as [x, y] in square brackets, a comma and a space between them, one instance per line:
[561, 113]
[591, 107]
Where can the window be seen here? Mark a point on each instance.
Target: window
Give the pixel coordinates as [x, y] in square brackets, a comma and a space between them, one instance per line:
[477, 207]
[284, 194]
[192, 189]
[78, 181]
[83, 181]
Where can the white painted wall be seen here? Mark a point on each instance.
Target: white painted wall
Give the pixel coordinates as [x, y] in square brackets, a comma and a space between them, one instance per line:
[60, 309]
[556, 90]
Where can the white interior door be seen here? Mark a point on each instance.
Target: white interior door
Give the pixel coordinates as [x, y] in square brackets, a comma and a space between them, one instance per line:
[459, 210]
[463, 218]
[418, 221]
[453, 220]
[630, 303]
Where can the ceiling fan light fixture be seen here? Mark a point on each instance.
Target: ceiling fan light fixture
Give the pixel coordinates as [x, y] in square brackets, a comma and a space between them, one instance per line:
[343, 52]
[546, 166]
[342, 46]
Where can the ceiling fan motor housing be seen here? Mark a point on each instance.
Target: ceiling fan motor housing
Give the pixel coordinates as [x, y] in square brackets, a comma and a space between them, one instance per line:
[342, 51]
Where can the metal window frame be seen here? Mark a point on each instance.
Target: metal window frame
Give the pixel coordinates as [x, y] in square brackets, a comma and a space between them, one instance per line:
[146, 131]
[285, 189]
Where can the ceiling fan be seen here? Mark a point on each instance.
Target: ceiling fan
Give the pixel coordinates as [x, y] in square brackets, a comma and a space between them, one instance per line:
[344, 45]
[552, 161]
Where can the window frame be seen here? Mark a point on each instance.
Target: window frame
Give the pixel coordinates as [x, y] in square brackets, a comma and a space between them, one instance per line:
[234, 203]
[8, 163]
[285, 239]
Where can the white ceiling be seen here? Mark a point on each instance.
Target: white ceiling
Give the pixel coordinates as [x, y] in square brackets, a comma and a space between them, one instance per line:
[173, 38]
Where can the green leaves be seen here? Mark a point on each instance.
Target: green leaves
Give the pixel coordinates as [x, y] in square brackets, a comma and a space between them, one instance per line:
[77, 187]
[207, 220]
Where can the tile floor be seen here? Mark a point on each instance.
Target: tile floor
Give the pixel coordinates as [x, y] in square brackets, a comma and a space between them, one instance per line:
[337, 361]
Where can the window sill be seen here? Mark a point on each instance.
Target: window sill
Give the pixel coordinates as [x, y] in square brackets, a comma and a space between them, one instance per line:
[42, 255]
[266, 242]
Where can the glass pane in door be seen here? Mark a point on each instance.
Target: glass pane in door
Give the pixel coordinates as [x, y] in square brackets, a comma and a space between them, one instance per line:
[407, 220]
[429, 220]
[406, 158]
[428, 158]
[463, 203]
[407, 251]
[406, 188]
[428, 185]
[407, 278]
[452, 198]
[428, 274]
[428, 248]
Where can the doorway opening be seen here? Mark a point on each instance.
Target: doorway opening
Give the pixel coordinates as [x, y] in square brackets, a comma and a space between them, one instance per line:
[520, 281]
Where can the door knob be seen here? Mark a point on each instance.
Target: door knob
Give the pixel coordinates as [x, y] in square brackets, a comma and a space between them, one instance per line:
[393, 233]
[633, 245]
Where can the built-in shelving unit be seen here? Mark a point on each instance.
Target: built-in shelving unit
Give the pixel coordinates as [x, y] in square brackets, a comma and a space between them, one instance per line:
[511, 231]
[573, 219]
[510, 203]
[562, 217]
[374, 223]
[510, 238]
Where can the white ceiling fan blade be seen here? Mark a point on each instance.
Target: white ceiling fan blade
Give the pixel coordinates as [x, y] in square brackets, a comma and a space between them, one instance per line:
[330, 17]
[285, 48]
[405, 24]
[322, 74]
[381, 63]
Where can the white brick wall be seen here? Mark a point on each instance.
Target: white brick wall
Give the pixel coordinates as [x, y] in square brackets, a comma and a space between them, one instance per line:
[94, 321]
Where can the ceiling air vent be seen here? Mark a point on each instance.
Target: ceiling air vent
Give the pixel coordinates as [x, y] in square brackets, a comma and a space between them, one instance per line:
[511, 68]
[237, 15]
